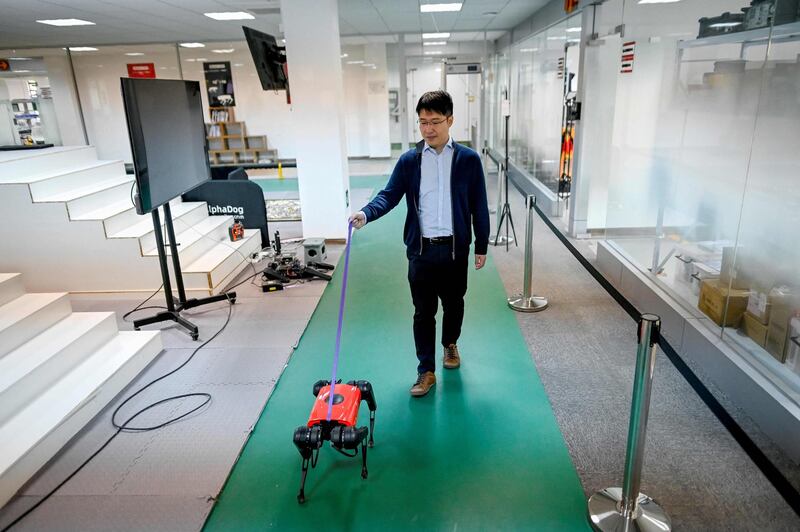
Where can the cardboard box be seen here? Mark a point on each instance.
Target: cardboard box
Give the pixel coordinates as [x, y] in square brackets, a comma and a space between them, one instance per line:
[785, 306]
[701, 272]
[778, 335]
[753, 328]
[713, 298]
[759, 305]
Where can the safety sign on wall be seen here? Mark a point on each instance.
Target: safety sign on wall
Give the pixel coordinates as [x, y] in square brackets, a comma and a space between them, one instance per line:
[628, 51]
[141, 70]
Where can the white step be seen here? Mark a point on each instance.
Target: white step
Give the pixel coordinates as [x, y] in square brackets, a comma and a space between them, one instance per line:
[28, 315]
[38, 432]
[81, 200]
[196, 239]
[64, 180]
[11, 287]
[191, 212]
[109, 212]
[23, 166]
[215, 266]
[33, 367]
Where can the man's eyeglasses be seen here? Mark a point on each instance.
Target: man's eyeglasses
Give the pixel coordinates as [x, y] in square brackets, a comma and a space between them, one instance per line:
[426, 123]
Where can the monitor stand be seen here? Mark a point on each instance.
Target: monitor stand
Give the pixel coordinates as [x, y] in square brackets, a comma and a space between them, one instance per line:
[173, 312]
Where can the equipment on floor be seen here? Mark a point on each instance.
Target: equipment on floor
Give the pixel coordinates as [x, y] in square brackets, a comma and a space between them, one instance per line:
[272, 286]
[236, 231]
[314, 250]
[335, 411]
[337, 426]
[504, 211]
[286, 267]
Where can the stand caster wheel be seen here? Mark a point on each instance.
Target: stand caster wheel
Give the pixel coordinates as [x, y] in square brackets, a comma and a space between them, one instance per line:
[233, 301]
[371, 444]
[301, 498]
[137, 329]
[195, 336]
[364, 474]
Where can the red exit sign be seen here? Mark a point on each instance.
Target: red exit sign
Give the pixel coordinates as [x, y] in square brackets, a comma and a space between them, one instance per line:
[141, 70]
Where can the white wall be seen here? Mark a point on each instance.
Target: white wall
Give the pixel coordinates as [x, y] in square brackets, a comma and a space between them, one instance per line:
[65, 100]
[465, 91]
[16, 88]
[264, 112]
[377, 101]
[422, 77]
[366, 100]
[98, 76]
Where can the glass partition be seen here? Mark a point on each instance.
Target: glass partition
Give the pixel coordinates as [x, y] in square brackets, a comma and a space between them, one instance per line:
[540, 74]
[36, 96]
[700, 165]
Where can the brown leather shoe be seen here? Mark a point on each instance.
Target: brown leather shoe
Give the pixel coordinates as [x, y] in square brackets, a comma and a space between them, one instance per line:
[452, 360]
[425, 382]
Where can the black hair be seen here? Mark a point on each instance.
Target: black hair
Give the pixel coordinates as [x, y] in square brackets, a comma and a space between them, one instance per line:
[436, 102]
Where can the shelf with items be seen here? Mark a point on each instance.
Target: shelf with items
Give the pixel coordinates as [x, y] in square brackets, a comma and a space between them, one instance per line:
[229, 143]
[221, 114]
[26, 118]
[783, 32]
[234, 156]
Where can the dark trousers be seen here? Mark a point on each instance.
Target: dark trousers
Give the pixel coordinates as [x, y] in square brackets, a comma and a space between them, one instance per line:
[434, 275]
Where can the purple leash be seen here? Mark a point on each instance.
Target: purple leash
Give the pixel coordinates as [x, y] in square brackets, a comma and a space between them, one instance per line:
[341, 315]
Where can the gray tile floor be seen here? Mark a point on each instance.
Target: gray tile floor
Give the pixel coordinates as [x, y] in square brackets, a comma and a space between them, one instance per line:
[584, 347]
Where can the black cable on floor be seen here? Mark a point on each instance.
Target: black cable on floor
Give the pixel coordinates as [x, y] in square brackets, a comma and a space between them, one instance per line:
[125, 426]
[774, 475]
[139, 307]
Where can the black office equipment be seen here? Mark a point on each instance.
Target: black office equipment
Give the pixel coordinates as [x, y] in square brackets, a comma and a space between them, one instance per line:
[240, 198]
[168, 140]
[270, 59]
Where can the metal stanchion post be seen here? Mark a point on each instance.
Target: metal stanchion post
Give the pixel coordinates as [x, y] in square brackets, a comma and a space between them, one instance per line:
[626, 509]
[528, 302]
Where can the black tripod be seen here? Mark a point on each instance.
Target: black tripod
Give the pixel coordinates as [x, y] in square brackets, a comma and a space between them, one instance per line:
[505, 212]
[173, 312]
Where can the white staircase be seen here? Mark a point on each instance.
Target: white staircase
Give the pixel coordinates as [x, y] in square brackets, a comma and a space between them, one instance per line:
[67, 222]
[58, 369]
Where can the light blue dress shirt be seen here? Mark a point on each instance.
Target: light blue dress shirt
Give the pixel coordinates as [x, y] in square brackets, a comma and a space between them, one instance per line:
[435, 207]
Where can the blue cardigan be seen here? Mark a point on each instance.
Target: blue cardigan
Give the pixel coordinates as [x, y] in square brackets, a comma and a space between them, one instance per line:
[467, 191]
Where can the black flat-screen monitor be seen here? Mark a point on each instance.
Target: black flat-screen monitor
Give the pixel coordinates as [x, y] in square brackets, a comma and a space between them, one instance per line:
[168, 139]
[269, 58]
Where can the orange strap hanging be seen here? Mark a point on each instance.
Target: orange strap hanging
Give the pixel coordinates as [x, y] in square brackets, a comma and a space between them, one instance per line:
[570, 5]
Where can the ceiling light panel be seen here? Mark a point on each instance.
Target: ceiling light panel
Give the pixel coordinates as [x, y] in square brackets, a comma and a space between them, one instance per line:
[193, 45]
[440, 8]
[230, 15]
[435, 35]
[66, 22]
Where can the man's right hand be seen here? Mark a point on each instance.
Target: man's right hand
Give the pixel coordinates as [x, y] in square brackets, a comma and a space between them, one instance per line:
[358, 220]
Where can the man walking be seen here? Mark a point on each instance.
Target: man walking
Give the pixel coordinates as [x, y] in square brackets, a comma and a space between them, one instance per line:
[445, 194]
